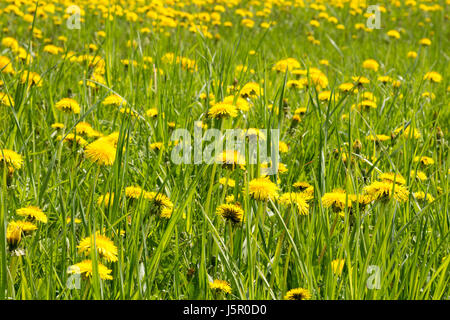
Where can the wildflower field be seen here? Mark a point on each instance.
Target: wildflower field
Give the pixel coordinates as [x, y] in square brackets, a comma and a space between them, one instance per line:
[349, 98]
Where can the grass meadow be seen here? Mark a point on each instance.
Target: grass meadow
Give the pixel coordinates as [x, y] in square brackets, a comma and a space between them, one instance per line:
[92, 205]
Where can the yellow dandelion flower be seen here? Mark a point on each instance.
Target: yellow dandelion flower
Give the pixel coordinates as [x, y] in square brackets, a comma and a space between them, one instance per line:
[299, 72]
[371, 64]
[13, 237]
[230, 158]
[393, 34]
[384, 79]
[424, 160]
[298, 294]
[241, 103]
[425, 42]
[112, 138]
[115, 100]
[337, 200]
[249, 23]
[383, 190]
[32, 212]
[314, 23]
[348, 87]
[411, 55]
[32, 77]
[286, 64]
[223, 110]
[231, 212]
[366, 105]
[295, 198]
[220, 286]
[360, 26]
[300, 111]
[250, 90]
[367, 95]
[318, 78]
[389, 176]
[301, 185]
[101, 152]
[152, 112]
[423, 196]
[262, 189]
[229, 199]
[105, 247]
[6, 100]
[378, 137]
[6, 65]
[11, 43]
[86, 128]
[432, 76]
[361, 199]
[296, 84]
[419, 175]
[134, 192]
[85, 268]
[83, 128]
[68, 105]
[360, 81]
[429, 95]
[283, 147]
[166, 213]
[11, 158]
[24, 226]
[95, 78]
[52, 49]
[160, 204]
[156, 146]
[327, 96]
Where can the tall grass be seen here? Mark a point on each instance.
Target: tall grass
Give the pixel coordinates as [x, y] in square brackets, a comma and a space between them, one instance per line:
[275, 249]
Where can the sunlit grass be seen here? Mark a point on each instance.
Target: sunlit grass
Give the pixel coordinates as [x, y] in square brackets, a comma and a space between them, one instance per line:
[171, 243]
